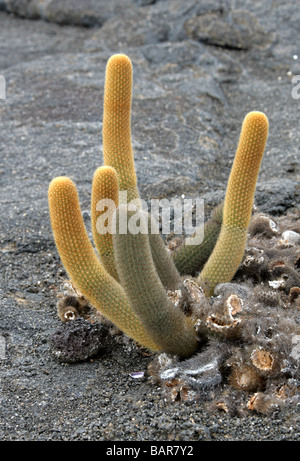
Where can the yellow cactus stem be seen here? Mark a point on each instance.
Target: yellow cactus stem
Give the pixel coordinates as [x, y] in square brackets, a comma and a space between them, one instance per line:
[230, 247]
[83, 266]
[105, 199]
[118, 152]
[166, 269]
[171, 330]
[116, 131]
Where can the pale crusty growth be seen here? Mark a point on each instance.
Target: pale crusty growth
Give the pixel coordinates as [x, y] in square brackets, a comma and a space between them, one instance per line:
[68, 313]
[245, 378]
[83, 266]
[263, 360]
[170, 329]
[229, 250]
[116, 132]
[105, 191]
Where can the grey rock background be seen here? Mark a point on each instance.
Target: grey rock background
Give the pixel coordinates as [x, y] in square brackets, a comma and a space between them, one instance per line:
[199, 67]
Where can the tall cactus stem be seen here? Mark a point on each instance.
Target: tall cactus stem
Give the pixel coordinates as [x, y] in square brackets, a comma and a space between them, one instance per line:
[170, 329]
[230, 247]
[116, 131]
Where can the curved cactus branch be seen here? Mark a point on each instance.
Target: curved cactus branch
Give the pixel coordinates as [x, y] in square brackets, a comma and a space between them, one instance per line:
[105, 199]
[190, 259]
[170, 329]
[82, 265]
[230, 247]
[163, 261]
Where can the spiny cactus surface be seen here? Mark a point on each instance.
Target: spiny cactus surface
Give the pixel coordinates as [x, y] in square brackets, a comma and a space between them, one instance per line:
[245, 336]
[166, 324]
[116, 132]
[82, 264]
[105, 199]
[190, 259]
[139, 305]
[230, 247]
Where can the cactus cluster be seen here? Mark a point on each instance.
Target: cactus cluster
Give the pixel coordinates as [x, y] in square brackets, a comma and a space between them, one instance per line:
[183, 303]
[129, 278]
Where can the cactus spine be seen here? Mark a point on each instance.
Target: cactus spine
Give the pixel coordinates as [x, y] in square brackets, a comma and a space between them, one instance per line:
[230, 247]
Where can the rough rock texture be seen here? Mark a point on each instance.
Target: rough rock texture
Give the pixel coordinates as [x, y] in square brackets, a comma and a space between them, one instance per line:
[77, 340]
[199, 67]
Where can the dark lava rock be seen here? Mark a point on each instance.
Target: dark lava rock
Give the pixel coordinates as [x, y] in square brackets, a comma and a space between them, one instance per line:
[77, 340]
